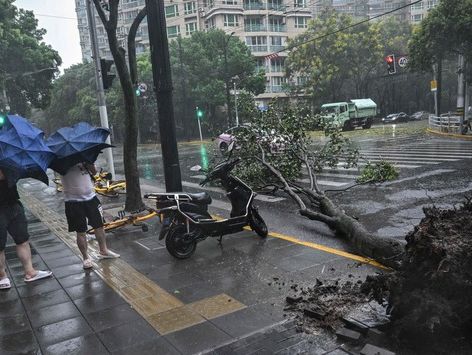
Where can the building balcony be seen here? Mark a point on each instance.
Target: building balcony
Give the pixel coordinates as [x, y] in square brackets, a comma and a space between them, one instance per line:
[276, 48]
[278, 28]
[276, 7]
[259, 27]
[254, 6]
[275, 88]
[258, 48]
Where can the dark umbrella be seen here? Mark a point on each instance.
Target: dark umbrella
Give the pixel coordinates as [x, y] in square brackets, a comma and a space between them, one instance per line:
[23, 152]
[77, 144]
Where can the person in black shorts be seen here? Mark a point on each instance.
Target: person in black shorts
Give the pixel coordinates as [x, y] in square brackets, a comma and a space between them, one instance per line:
[83, 208]
[13, 221]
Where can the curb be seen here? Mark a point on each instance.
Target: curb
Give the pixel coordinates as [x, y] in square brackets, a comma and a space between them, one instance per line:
[450, 135]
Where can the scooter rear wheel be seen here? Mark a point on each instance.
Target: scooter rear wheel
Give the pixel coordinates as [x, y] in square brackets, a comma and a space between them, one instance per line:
[257, 224]
[176, 244]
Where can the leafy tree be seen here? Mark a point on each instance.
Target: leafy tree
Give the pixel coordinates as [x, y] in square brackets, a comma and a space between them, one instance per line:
[275, 148]
[203, 66]
[27, 65]
[332, 63]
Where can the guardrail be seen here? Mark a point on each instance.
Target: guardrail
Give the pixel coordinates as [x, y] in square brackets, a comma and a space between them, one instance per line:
[445, 123]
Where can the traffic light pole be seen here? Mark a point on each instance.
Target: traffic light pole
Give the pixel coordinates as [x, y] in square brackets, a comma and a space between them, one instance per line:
[102, 107]
[163, 88]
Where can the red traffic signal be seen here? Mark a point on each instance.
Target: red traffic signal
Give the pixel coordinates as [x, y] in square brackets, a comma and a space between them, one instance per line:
[391, 67]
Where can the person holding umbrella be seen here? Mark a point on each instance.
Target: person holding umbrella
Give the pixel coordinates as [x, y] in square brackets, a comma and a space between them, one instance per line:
[23, 154]
[76, 149]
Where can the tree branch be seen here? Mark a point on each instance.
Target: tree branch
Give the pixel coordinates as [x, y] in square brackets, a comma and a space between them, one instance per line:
[310, 214]
[113, 20]
[101, 12]
[132, 45]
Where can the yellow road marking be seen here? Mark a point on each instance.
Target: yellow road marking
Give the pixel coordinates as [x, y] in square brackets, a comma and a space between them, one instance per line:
[451, 135]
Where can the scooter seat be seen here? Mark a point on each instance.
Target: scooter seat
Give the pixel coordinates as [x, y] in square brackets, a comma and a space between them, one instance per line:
[201, 198]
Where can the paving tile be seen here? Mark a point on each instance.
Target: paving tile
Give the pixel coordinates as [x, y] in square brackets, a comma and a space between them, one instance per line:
[98, 302]
[14, 324]
[175, 281]
[46, 299]
[175, 319]
[83, 345]
[87, 289]
[53, 314]
[39, 287]
[216, 306]
[126, 335]
[248, 320]
[58, 254]
[8, 295]
[65, 261]
[77, 279]
[19, 343]
[111, 317]
[253, 292]
[11, 308]
[158, 346]
[198, 338]
[67, 270]
[63, 330]
[196, 292]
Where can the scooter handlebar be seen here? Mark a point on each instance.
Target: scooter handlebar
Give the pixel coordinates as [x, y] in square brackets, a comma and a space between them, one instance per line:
[220, 169]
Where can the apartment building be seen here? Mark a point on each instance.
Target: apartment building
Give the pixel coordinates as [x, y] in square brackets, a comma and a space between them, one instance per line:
[264, 25]
[420, 10]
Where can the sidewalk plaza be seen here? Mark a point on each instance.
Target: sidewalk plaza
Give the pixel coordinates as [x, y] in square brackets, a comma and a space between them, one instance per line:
[222, 300]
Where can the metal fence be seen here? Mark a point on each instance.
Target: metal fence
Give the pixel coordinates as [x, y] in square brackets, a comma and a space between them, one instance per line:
[448, 123]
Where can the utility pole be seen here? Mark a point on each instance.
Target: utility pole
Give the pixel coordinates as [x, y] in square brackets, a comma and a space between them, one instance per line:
[236, 101]
[163, 88]
[227, 78]
[102, 106]
[460, 109]
[185, 124]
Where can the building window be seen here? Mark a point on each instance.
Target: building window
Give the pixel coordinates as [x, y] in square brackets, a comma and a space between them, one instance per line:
[432, 3]
[301, 22]
[210, 24]
[417, 6]
[301, 80]
[172, 11]
[299, 3]
[173, 31]
[416, 18]
[230, 2]
[231, 21]
[277, 65]
[190, 28]
[190, 8]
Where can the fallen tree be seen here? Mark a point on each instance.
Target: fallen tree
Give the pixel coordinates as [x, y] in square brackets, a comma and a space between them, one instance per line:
[276, 146]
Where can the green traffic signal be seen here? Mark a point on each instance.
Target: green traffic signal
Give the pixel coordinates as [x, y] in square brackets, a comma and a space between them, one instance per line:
[3, 119]
[199, 113]
[138, 92]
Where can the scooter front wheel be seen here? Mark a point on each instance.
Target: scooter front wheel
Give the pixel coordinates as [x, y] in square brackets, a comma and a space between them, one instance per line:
[178, 244]
[257, 224]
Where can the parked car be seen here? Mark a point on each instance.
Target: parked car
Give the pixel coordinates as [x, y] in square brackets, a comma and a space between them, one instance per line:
[396, 117]
[277, 144]
[420, 115]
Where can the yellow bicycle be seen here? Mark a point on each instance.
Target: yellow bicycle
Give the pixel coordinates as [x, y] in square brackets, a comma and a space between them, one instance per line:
[134, 218]
[103, 185]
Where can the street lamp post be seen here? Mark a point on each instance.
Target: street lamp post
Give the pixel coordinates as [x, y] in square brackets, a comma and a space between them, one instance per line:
[236, 100]
[227, 78]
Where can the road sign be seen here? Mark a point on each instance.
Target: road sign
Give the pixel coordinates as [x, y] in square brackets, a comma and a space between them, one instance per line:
[434, 85]
[402, 62]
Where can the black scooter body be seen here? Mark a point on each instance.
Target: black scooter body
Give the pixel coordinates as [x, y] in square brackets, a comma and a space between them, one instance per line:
[186, 220]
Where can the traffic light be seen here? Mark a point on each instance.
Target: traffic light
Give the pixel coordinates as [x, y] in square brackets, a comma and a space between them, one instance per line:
[138, 92]
[3, 120]
[391, 67]
[199, 112]
[107, 78]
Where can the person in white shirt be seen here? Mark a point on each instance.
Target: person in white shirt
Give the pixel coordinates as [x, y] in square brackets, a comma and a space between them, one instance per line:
[83, 208]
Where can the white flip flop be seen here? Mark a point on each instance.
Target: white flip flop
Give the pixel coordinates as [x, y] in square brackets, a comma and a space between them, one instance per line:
[40, 275]
[5, 283]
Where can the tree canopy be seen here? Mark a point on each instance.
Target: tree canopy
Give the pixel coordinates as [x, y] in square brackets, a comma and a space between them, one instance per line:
[27, 65]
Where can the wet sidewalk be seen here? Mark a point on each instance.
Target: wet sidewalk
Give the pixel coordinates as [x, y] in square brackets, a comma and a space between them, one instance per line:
[227, 298]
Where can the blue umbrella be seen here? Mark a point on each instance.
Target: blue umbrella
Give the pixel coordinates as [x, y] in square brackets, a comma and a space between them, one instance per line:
[23, 152]
[77, 144]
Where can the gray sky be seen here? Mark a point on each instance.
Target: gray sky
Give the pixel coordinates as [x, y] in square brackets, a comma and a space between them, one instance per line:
[62, 33]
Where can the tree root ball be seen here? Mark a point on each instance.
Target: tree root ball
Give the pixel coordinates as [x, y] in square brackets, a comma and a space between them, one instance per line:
[430, 296]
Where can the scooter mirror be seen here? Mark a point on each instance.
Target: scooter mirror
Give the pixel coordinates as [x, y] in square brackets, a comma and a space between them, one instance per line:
[196, 168]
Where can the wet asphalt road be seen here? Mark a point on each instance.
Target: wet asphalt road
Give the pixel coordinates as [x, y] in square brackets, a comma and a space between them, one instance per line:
[432, 170]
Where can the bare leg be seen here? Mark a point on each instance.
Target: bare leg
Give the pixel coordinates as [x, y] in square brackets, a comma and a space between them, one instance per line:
[3, 265]
[102, 243]
[24, 253]
[82, 244]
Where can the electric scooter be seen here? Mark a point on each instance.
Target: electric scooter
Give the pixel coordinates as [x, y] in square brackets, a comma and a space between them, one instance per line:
[185, 216]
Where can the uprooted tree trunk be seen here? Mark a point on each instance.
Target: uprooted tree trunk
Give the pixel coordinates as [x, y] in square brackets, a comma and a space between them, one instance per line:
[387, 251]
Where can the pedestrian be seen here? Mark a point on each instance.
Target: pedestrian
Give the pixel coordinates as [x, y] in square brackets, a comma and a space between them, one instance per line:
[13, 221]
[83, 208]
